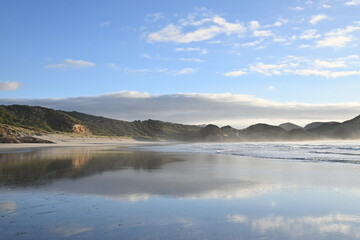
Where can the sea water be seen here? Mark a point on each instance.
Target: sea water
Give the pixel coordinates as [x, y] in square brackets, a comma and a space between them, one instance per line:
[183, 191]
[347, 152]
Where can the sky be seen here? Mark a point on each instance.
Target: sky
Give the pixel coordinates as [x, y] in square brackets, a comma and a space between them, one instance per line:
[226, 62]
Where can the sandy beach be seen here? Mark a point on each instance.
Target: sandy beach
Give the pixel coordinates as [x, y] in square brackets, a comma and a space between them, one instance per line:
[62, 140]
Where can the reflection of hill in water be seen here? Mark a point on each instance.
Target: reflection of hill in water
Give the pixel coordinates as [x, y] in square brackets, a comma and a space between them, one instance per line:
[39, 167]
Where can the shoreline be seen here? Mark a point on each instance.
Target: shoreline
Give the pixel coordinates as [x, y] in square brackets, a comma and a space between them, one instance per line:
[67, 140]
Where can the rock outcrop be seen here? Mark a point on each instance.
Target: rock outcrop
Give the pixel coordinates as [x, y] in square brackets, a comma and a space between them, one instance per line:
[81, 129]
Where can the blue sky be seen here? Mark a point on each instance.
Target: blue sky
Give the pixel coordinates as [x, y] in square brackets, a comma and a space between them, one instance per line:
[279, 51]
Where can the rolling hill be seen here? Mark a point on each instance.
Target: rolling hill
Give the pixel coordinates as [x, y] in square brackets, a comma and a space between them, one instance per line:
[18, 123]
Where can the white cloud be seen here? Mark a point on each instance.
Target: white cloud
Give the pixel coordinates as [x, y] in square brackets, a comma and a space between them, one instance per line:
[253, 43]
[136, 70]
[154, 17]
[310, 34]
[317, 18]
[191, 60]
[294, 65]
[279, 23]
[352, 3]
[223, 108]
[338, 38]
[162, 70]
[145, 56]
[172, 33]
[326, 6]
[191, 49]
[267, 69]
[271, 88]
[309, 2]
[9, 86]
[214, 27]
[105, 24]
[324, 73]
[279, 40]
[185, 71]
[262, 33]
[329, 64]
[254, 25]
[236, 73]
[298, 8]
[113, 66]
[334, 41]
[70, 63]
[229, 28]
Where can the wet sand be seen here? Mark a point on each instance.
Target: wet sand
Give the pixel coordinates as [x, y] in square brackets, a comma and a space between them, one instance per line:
[110, 192]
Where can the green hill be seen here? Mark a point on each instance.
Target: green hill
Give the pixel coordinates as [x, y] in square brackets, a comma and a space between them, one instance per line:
[38, 118]
[19, 122]
[45, 119]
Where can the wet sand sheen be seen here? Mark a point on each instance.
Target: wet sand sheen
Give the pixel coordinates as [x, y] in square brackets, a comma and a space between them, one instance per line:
[108, 192]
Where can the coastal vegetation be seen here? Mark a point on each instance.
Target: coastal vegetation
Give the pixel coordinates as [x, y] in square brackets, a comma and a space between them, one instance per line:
[22, 123]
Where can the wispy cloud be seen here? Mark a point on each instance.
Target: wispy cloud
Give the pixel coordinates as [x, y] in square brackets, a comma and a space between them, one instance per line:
[271, 88]
[352, 3]
[154, 17]
[317, 18]
[206, 29]
[329, 64]
[279, 23]
[338, 38]
[145, 56]
[185, 71]
[262, 33]
[267, 69]
[253, 43]
[70, 63]
[301, 66]
[254, 25]
[105, 24]
[334, 41]
[236, 73]
[310, 34]
[113, 66]
[198, 60]
[136, 70]
[297, 8]
[191, 49]
[324, 73]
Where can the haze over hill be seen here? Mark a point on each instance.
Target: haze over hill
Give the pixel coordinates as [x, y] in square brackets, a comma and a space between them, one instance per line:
[42, 120]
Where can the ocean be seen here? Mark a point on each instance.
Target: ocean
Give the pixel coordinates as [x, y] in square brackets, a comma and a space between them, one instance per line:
[345, 152]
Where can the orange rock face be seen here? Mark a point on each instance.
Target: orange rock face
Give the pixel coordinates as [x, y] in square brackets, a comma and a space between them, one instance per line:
[81, 129]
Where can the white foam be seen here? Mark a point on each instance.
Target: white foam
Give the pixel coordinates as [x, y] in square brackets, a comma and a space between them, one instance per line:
[330, 152]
